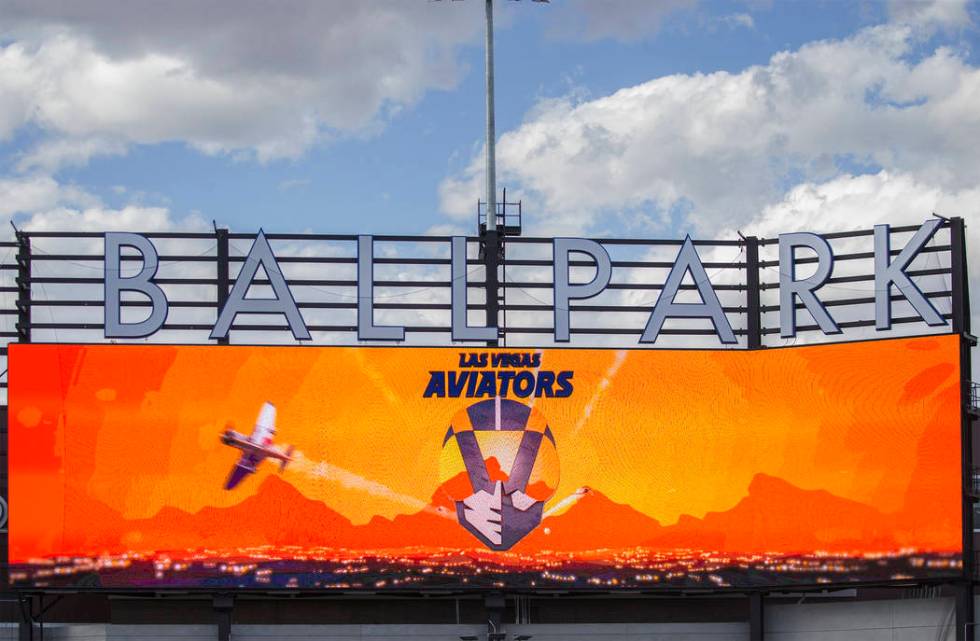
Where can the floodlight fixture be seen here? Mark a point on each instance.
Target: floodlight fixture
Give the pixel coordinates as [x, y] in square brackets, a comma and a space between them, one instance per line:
[491, 144]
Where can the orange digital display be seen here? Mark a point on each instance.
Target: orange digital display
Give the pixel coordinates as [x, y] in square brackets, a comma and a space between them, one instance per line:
[397, 468]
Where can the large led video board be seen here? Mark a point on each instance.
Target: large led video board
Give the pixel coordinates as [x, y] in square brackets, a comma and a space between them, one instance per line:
[402, 469]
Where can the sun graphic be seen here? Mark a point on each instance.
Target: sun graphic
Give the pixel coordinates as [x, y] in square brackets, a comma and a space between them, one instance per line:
[490, 435]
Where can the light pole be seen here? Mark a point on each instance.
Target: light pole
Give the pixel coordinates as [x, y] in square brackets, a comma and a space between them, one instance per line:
[491, 126]
[490, 241]
[491, 142]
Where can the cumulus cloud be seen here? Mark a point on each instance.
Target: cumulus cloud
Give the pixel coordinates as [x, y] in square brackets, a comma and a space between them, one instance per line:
[41, 203]
[39, 193]
[942, 14]
[268, 81]
[856, 202]
[99, 218]
[713, 149]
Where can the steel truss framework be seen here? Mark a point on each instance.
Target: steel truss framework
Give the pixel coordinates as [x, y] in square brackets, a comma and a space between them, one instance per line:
[51, 291]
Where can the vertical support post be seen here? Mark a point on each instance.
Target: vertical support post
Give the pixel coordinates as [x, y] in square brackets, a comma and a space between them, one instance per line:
[491, 259]
[223, 606]
[23, 287]
[25, 627]
[753, 308]
[757, 618]
[961, 325]
[495, 604]
[4, 507]
[223, 278]
[960, 278]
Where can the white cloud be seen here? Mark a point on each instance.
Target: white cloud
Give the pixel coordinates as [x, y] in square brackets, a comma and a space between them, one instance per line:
[39, 193]
[714, 149]
[41, 203]
[128, 218]
[857, 202]
[268, 81]
[943, 14]
[50, 155]
[736, 20]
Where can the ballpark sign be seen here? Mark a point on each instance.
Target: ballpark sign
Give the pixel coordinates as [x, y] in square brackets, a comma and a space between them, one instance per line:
[889, 272]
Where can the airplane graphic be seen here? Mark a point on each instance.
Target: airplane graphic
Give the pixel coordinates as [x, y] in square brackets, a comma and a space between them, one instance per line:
[257, 447]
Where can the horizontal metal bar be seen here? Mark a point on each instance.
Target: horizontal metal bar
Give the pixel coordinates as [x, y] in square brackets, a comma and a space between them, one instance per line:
[938, 271]
[853, 324]
[292, 282]
[351, 260]
[435, 329]
[258, 327]
[400, 238]
[298, 282]
[94, 280]
[98, 258]
[855, 256]
[864, 300]
[669, 242]
[212, 258]
[384, 238]
[611, 331]
[543, 307]
[441, 239]
[644, 309]
[101, 234]
[651, 264]
[855, 234]
[611, 286]
[204, 304]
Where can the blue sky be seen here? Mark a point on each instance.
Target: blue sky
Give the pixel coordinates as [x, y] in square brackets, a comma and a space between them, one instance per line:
[615, 117]
[385, 168]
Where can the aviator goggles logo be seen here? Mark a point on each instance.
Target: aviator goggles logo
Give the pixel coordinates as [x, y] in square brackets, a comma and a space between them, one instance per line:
[506, 451]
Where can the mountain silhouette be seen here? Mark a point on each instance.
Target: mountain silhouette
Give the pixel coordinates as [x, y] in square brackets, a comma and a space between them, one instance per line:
[774, 516]
[777, 516]
[594, 521]
[277, 514]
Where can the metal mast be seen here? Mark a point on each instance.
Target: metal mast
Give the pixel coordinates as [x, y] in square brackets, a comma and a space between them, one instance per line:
[491, 127]
[491, 241]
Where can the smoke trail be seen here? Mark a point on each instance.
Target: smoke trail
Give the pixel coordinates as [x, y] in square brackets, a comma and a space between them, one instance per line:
[350, 480]
[566, 502]
[600, 388]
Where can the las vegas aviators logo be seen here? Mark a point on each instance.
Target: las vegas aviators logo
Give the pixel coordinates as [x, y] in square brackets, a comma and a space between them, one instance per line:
[499, 465]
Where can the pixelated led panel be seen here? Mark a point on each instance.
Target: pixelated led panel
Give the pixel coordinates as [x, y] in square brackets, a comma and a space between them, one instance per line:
[384, 468]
